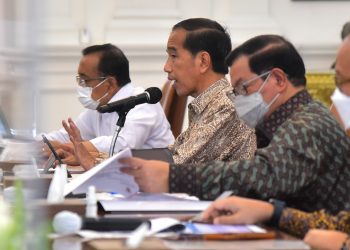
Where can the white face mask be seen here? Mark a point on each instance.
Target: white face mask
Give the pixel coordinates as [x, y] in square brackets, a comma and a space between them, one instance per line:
[342, 104]
[84, 96]
[252, 108]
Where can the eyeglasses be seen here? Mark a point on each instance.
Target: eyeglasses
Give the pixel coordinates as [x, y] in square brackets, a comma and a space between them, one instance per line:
[83, 82]
[243, 88]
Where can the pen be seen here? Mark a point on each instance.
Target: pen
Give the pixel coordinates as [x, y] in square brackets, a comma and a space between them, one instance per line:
[225, 194]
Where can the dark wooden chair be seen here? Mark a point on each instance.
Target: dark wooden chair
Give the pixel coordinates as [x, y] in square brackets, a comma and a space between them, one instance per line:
[174, 107]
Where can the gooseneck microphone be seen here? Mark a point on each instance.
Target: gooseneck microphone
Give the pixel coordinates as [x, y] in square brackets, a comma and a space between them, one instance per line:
[151, 95]
[122, 107]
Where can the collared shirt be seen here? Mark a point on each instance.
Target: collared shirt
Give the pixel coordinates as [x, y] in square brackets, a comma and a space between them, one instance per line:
[145, 127]
[215, 132]
[306, 164]
[297, 222]
[266, 130]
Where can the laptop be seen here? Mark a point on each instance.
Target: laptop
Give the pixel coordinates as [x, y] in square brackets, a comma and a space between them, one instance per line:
[160, 154]
[5, 131]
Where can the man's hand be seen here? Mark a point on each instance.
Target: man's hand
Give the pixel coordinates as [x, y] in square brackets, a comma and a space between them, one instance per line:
[67, 156]
[72, 130]
[325, 239]
[81, 152]
[151, 176]
[44, 149]
[236, 210]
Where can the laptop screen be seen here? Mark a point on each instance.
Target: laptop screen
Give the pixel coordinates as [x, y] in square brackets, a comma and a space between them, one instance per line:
[5, 131]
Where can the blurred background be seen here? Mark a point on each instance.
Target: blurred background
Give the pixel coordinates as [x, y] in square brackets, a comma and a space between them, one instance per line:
[41, 42]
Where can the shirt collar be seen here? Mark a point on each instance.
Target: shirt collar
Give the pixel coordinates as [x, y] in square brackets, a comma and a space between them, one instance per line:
[124, 92]
[265, 130]
[204, 99]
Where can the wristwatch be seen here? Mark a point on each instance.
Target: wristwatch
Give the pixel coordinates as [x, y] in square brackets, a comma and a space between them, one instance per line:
[278, 207]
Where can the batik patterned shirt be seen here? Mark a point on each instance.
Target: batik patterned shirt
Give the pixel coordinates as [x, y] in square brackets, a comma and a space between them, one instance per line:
[306, 163]
[298, 223]
[215, 131]
[268, 127]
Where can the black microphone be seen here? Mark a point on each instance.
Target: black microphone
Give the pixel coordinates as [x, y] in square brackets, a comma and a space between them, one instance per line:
[151, 95]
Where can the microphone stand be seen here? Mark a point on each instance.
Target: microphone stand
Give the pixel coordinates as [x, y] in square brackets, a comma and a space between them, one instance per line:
[120, 124]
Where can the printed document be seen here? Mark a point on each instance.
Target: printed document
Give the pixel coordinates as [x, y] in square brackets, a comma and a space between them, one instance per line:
[106, 177]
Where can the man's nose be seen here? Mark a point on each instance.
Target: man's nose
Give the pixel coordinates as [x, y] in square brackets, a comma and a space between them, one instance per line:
[167, 67]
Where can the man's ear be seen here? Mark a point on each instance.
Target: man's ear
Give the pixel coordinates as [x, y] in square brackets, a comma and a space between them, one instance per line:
[204, 61]
[281, 79]
[113, 85]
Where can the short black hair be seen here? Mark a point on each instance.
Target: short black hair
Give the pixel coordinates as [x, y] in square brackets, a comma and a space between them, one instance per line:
[112, 62]
[266, 52]
[345, 30]
[207, 35]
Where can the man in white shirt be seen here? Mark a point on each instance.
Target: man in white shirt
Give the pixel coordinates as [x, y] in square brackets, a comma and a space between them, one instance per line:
[341, 96]
[103, 77]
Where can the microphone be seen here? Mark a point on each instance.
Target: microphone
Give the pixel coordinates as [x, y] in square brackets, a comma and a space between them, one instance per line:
[151, 95]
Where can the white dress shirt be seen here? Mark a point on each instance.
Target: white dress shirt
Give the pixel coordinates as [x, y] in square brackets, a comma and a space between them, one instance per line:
[145, 127]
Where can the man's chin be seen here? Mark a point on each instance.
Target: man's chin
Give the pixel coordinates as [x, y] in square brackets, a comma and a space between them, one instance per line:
[176, 87]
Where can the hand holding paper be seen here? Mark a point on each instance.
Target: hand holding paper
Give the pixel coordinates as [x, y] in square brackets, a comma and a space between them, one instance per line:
[151, 176]
[106, 177]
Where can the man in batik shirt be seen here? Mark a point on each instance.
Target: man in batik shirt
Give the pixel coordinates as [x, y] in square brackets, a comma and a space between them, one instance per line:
[327, 231]
[237, 210]
[303, 157]
[198, 69]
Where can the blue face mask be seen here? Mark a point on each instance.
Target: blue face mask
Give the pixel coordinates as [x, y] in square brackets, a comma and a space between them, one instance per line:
[252, 108]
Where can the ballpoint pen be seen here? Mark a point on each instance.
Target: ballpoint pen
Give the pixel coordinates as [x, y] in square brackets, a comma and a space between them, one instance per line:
[198, 217]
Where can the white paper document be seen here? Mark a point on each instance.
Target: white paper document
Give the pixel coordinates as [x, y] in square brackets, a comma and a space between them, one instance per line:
[142, 196]
[154, 206]
[106, 177]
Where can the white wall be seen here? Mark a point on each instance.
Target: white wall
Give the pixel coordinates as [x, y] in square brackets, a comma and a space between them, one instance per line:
[314, 27]
[141, 28]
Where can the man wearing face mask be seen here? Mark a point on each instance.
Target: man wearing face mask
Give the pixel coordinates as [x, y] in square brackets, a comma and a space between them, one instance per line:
[303, 153]
[341, 95]
[103, 77]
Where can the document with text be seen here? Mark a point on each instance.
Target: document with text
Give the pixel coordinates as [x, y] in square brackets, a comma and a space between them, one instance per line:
[106, 177]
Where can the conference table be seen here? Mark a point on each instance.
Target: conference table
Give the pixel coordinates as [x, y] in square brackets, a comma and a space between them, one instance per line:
[282, 240]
